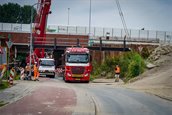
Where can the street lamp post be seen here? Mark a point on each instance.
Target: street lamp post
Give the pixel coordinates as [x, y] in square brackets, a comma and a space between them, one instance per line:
[90, 19]
[31, 38]
[68, 16]
[30, 57]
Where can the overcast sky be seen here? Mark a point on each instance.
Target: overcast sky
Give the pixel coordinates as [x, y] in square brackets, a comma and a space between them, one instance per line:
[148, 14]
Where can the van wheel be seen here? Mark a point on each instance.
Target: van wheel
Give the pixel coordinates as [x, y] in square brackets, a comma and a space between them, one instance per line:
[63, 78]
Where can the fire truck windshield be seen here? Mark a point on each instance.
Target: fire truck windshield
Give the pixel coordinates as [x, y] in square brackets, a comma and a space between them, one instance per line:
[77, 58]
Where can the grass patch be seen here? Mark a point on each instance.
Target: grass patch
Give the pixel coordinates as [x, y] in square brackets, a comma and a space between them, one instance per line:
[2, 103]
[92, 77]
[4, 85]
[17, 77]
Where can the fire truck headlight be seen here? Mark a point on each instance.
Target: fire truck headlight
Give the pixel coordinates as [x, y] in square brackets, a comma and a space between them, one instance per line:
[68, 74]
[86, 75]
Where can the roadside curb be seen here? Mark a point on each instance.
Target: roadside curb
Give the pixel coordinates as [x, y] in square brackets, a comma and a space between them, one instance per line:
[101, 82]
[162, 97]
[157, 95]
[112, 81]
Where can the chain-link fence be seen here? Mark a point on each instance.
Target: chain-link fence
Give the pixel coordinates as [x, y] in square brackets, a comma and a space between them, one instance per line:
[96, 32]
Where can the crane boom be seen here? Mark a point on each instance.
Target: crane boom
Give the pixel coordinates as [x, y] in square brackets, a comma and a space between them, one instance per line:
[40, 25]
[122, 18]
[39, 30]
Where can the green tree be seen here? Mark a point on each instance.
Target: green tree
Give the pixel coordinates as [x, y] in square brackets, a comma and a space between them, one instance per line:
[26, 14]
[9, 12]
[14, 13]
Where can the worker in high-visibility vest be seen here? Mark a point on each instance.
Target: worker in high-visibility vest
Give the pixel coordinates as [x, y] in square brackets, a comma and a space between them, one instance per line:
[27, 69]
[117, 73]
[36, 72]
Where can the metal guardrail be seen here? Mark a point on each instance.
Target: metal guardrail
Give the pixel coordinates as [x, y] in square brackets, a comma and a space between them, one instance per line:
[163, 37]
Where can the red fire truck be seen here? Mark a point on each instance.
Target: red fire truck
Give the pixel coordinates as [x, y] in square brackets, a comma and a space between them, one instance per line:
[77, 64]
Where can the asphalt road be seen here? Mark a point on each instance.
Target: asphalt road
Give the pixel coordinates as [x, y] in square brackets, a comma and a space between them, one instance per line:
[54, 97]
[121, 101]
[115, 100]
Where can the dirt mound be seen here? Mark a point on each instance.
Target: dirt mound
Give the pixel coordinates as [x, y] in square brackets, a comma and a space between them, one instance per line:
[158, 80]
[160, 54]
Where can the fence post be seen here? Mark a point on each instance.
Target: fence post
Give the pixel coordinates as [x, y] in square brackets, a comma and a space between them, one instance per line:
[139, 34]
[85, 30]
[1, 26]
[124, 42]
[165, 37]
[156, 35]
[11, 27]
[94, 31]
[112, 32]
[58, 29]
[21, 27]
[121, 33]
[147, 34]
[67, 30]
[100, 43]
[76, 30]
[170, 37]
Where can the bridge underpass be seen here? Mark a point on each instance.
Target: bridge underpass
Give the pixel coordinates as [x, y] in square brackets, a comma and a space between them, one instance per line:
[58, 42]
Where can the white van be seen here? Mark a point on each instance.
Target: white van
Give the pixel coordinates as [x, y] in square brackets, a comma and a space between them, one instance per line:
[47, 67]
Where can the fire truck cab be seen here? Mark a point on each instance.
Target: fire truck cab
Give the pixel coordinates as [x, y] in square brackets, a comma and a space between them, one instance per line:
[77, 64]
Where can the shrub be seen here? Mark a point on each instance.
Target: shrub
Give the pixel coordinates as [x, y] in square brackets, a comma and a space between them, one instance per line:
[96, 68]
[145, 53]
[131, 64]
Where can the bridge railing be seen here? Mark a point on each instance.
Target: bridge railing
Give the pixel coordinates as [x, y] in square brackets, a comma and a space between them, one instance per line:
[163, 37]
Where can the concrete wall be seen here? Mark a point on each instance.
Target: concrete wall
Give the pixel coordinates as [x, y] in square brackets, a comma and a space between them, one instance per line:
[61, 39]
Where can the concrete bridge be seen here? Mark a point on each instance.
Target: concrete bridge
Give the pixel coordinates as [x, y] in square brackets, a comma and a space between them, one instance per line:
[68, 35]
[59, 37]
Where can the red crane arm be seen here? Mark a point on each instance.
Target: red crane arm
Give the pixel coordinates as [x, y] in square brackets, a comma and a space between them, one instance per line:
[39, 30]
[40, 25]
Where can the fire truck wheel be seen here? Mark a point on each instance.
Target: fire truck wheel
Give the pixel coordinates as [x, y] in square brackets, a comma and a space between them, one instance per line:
[87, 81]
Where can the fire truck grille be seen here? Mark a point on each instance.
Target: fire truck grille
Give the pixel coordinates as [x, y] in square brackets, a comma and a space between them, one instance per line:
[77, 70]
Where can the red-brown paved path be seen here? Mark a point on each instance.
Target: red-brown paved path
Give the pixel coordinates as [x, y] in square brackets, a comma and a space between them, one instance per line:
[44, 100]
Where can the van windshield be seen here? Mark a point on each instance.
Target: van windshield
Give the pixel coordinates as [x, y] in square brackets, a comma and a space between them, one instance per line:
[46, 62]
[77, 58]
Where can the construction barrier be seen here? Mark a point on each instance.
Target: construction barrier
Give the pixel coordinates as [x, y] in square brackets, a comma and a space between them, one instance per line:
[22, 76]
[12, 74]
[59, 71]
[3, 71]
